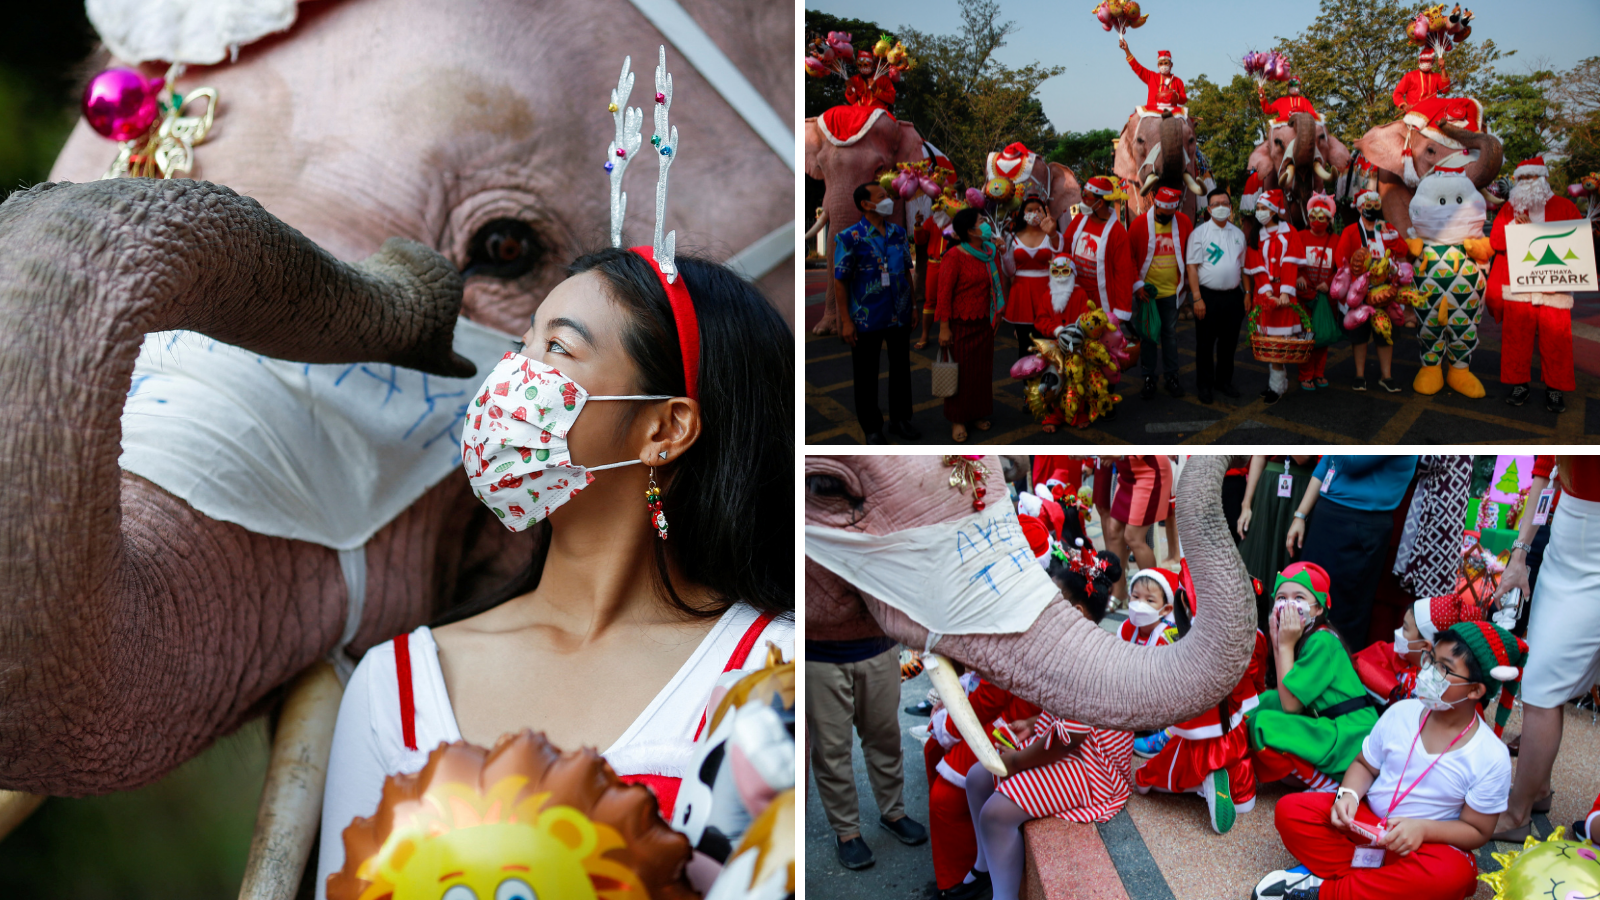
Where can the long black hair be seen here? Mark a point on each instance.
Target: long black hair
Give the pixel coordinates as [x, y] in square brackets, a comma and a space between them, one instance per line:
[1017, 222]
[1093, 596]
[730, 496]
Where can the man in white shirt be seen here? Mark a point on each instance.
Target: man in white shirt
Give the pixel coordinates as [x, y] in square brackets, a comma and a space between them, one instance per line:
[1215, 258]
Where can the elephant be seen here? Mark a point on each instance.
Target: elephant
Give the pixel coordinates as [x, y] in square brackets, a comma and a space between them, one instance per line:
[1298, 157]
[1384, 146]
[1063, 661]
[137, 630]
[1058, 185]
[842, 167]
[1158, 151]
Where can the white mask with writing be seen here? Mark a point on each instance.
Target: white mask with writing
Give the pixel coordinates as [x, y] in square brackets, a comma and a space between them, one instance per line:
[973, 575]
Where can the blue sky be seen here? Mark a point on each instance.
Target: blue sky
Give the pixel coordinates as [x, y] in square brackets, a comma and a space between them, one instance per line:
[1097, 90]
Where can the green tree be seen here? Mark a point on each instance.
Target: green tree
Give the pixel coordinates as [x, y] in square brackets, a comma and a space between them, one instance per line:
[823, 94]
[1576, 93]
[1086, 153]
[1227, 126]
[1508, 483]
[1516, 108]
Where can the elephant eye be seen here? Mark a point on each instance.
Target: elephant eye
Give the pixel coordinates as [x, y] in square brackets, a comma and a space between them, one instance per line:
[831, 487]
[504, 248]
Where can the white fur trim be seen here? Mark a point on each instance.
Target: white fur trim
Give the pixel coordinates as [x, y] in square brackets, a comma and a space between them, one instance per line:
[1147, 574]
[1523, 171]
[1505, 673]
[189, 31]
[822, 126]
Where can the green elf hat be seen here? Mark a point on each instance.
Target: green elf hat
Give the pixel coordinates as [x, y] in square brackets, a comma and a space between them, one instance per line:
[1308, 575]
[1499, 653]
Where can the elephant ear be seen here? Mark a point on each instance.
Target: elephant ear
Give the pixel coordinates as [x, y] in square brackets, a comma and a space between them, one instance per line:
[910, 147]
[1066, 191]
[1261, 163]
[1384, 146]
[1125, 164]
[813, 149]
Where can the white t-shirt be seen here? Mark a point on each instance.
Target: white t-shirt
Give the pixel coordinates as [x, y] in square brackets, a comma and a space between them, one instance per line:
[1477, 772]
[1219, 252]
[368, 744]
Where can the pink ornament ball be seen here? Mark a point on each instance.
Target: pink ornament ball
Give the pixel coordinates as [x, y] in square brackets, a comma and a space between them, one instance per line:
[120, 104]
[1027, 367]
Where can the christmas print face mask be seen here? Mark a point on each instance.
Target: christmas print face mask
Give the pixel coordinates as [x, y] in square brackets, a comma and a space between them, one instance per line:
[514, 442]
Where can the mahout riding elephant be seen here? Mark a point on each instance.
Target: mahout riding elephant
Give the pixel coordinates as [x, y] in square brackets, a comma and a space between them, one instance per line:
[1385, 145]
[136, 628]
[1061, 661]
[1157, 151]
[1298, 157]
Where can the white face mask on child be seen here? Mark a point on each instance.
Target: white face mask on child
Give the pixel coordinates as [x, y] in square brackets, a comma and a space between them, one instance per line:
[1402, 644]
[1141, 613]
[1299, 607]
[1431, 685]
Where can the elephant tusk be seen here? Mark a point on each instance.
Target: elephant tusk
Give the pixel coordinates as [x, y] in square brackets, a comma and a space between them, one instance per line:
[1155, 154]
[1195, 187]
[1288, 176]
[291, 799]
[15, 806]
[1322, 171]
[1149, 182]
[966, 721]
[1288, 152]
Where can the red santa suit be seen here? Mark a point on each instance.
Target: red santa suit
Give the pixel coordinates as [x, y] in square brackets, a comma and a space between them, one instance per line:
[1592, 819]
[1386, 674]
[1101, 257]
[1030, 288]
[1202, 744]
[1274, 264]
[1282, 108]
[1163, 92]
[1418, 85]
[1146, 244]
[1318, 270]
[1529, 317]
[1379, 241]
[931, 235]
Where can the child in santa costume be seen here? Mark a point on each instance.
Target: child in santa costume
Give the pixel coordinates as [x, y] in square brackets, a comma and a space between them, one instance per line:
[1064, 769]
[1273, 263]
[1098, 245]
[1312, 726]
[1529, 318]
[1423, 793]
[1152, 594]
[1380, 240]
[1315, 277]
[1209, 754]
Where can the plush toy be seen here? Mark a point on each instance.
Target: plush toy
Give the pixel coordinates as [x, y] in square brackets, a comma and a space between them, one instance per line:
[1447, 215]
[1566, 870]
[1071, 380]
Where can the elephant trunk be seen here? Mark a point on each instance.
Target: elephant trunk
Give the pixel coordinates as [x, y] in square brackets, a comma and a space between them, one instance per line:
[1305, 140]
[1491, 153]
[1070, 666]
[86, 270]
[1173, 163]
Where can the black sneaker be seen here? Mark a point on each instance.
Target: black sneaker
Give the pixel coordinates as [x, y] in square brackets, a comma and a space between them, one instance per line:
[1205, 395]
[1228, 390]
[924, 709]
[1270, 396]
[1360, 385]
[906, 830]
[904, 429]
[1519, 395]
[877, 437]
[1388, 385]
[1174, 389]
[1580, 830]
[981, 887]
[1287, 884]
[1149, 387]
[854, 853]
[1553, 401]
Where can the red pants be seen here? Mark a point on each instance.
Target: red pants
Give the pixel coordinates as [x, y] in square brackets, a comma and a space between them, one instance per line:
[1275, 765]
[1183, 764]
[950, 833]
[1431, 872]
[932, 752]
[1316, 366]
[1553, 329]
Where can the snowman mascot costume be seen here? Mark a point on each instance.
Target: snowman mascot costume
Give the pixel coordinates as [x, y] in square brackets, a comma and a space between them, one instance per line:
[1447, 240]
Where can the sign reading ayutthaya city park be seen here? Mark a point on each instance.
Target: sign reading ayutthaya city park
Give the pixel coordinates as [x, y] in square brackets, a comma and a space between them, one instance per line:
[1551, 257]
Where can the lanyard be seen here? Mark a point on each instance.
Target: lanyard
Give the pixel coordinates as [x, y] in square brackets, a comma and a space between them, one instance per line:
[1397, 797]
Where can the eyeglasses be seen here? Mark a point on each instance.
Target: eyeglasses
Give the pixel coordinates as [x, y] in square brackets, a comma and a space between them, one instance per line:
[1429, 659]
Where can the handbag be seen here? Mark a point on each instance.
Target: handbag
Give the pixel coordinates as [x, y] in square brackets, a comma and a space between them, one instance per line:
[944, 374]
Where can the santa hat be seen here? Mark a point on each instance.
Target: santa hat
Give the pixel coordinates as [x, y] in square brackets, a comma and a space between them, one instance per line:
[1454, 164]
[1272, 200]
[1501, 655]
[1038, 538]
[1163, 56]
[1053, 517]
[1168, 198]
[1167, 581]
[1433, 614]
[1532, 166]
[1014, 162]
[1308, 575]
[1426, 55]
[1101, 185]
[1323, 202]
[1252, 190]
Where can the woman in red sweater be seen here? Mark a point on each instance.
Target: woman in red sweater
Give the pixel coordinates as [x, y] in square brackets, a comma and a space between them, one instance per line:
[968, 312]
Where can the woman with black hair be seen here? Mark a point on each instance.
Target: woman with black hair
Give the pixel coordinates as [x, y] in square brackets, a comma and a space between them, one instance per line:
[970, 300]
[1033, 242]
[664, 552]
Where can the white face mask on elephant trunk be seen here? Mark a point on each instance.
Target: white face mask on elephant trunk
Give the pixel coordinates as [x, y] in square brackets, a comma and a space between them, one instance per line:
[1447, 209]
[514, 443]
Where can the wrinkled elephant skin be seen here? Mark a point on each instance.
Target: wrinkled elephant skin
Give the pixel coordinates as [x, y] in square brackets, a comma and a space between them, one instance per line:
[1312, 147]
[1155, 152]
[1384, 146]
[1064, 662]
[135, 630]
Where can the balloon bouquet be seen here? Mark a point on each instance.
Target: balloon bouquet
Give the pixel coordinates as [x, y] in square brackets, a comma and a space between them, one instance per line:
[869, 75]
[1587, 187]
[1432, 28]
[1120, 15]
[910, 177]
[1265, 66]
[1069, 377]
[1375, 290]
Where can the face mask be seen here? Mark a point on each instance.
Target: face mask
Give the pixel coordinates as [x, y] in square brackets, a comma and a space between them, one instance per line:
[1032, 218]
[1164, 218]
[1402, 644]
[884, 206]
[1319, 226]
[1221, 213]
[1300, 609]
[1141, 613]
[1263, 216]
[1371, 214]
[986, 231]
[1431, 685]
[975, 575]
[514, 443]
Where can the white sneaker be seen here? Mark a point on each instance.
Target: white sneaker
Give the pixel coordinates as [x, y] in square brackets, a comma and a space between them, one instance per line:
[1245, 806]
[1277, 884]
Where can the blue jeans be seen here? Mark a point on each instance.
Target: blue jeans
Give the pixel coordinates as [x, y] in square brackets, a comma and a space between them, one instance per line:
[1168, 308]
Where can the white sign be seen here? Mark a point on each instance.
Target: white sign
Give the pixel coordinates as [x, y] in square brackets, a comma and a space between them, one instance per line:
[1551, 257]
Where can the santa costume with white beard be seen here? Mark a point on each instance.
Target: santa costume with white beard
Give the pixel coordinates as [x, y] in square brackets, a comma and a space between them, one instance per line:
[1067, 300]
[1527, 318]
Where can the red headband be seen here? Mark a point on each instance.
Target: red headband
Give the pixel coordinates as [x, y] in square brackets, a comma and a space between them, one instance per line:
[688, 325]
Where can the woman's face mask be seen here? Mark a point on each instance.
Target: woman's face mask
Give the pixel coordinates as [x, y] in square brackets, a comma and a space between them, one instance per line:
[514, 442]
[1263, 216]
[1031, 217]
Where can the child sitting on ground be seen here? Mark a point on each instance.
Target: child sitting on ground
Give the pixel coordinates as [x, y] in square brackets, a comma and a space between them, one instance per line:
[1210, 753]
[1151, 593]
[1424, 792]
[1389, 671]
[1312, 726]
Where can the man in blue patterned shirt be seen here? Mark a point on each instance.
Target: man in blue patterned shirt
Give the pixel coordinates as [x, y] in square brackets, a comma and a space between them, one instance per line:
[871, 269]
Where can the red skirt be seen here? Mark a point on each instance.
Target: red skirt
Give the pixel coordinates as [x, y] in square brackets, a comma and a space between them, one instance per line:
[1029, 296]
[972, 347]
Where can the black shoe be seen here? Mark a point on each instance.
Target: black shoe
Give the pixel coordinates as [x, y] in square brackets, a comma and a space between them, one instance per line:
[854, 853]
[904, 429]
[877, 437]
[1270, 396]
[1519, 395]
[1360, 385]
[1553, 401]
[1205, 395]
[906, 830]
[925, 708]
[1580, 830]
[979, 888]
[1228, 390]
[1388, 385]
[1149, 387]
[1174, 389]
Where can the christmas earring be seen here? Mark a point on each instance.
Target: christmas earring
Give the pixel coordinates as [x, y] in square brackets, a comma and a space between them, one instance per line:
[652, 497]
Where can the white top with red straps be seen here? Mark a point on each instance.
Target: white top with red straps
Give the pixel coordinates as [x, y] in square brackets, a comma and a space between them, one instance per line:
[371, 742]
